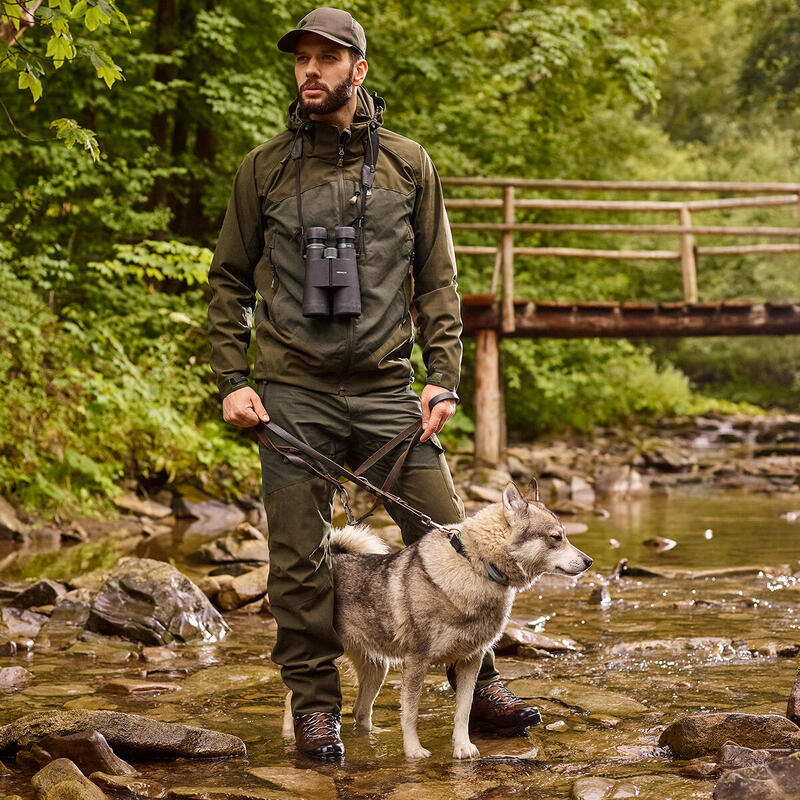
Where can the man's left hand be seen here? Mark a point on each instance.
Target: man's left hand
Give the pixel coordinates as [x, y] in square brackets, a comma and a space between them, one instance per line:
[433, 421]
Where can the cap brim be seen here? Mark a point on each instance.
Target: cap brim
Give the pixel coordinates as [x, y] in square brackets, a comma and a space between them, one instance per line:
[287, 42]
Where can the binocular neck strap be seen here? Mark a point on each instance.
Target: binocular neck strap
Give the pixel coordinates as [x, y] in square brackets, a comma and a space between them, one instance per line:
[371, 145]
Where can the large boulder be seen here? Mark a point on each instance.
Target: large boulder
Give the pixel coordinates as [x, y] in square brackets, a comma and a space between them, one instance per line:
[62, 780]
[130, 734]
[777, 780]
[703, 734]
[151, 602]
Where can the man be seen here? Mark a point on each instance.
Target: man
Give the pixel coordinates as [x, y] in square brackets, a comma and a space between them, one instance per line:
[338, 380]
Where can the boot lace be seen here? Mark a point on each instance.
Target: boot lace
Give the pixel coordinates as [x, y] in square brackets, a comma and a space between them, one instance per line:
[321, 723]
[501, 697]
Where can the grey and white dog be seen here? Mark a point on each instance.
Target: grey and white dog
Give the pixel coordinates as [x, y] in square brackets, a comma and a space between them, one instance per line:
[429, 604]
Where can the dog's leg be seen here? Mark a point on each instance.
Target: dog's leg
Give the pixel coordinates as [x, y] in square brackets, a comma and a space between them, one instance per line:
[371, 675]
[466, 675]
[288, 720]
[414, 669]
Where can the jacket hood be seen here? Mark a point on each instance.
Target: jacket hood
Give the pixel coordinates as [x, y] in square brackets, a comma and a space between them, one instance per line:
[369, 108]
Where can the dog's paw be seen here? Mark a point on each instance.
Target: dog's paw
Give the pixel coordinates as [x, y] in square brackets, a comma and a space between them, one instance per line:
[417, 752]
[465, 750]
[363, 725]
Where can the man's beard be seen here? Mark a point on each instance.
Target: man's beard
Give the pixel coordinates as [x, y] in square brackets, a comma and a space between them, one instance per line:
[335, 99]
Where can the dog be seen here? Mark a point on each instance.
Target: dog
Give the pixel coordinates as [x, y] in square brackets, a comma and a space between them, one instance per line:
[431, 604]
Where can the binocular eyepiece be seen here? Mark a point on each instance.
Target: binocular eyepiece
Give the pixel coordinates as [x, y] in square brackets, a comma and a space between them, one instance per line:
[331, 285]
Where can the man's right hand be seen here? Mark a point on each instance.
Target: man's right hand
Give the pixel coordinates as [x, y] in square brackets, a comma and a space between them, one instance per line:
[244, 408]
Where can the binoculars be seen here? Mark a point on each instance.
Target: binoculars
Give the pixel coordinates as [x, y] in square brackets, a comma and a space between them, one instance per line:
[331, 284]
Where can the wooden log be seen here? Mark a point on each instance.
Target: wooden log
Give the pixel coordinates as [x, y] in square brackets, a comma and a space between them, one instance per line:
[688, 264]
[627, 186]
[487, 396]
[748, 249]
[663, 230]
[669, 320]
[581, 252]
[508, 261]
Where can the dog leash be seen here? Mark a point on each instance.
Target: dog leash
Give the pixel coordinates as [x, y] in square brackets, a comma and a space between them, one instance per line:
[382, 493]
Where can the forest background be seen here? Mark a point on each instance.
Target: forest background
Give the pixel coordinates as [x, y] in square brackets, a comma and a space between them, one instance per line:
[121, 128]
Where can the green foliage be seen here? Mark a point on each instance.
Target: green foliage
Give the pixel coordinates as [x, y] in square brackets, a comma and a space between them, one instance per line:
[61, 565]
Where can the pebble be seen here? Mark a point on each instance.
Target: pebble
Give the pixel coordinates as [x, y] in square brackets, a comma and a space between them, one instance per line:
[14, 677]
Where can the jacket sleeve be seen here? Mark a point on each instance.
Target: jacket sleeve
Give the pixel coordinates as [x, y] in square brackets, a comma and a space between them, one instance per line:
[435, 289]
[231, 278]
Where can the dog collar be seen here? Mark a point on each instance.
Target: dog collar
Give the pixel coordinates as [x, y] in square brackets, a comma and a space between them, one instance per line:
[493, 572]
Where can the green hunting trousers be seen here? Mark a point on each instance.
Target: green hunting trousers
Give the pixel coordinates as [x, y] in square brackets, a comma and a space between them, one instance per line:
[299, 508]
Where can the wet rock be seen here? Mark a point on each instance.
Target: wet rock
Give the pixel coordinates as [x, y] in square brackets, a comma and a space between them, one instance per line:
[90, 752]
[72, 608]
[128, 501]
[4, 770]
[232, 570]
[255, 512]
[305, 782]
[41, 593]
[14, 677]
[484, 494]
[125, 787]
[9, 590]
[244, 589]
[151, 602]
[11, 527]
[210, 516]
[659, 544]
[91, 581]
[126, 733]
[600, 596]
[62, 780]
[158, 655]
[702, 734]
[699, 768]
[581, 492]
[777, 780]
[516, 635]
[247, 544]
[131, 686]
[602, 789]
[21, 622]
[33, 759]
[793, 706]
[229, 793]
[713, 645]
[732, 756]
[578, 696]
[104, 649]
[221, 680]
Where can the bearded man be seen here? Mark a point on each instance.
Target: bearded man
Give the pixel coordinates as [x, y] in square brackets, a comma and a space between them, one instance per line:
[339, 379]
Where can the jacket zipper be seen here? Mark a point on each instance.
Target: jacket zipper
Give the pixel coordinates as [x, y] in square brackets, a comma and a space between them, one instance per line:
[348, 347]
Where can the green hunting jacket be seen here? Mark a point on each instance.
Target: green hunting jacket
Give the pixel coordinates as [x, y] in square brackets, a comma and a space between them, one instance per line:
[408, 262]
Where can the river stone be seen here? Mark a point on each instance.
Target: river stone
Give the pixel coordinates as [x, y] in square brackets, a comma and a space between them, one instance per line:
[232, 793]
[600, 596]
[125, 787]
[90, 752]
[588, 698]
[702, 734]
[793, 706]
[151, 602]
[221, 680]
[713, 645]
[41, 593]
[244, 589]
[778, 780]
[21, 622]
[62, 780]
[305, 782]
[128, 501]
[14, 677]
[516, 635]
[732, 756]
[72, 608]
[247, 544]
[602, 789]
[484, 494]
[132, 686]
[581, 492]
[10, 524]
[211, 517]
[130, 733]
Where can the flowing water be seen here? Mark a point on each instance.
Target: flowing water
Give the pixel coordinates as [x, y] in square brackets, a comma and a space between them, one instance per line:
[664, 647]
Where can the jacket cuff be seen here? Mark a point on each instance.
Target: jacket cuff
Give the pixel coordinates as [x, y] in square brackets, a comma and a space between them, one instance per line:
[228, 384]
[449, 382]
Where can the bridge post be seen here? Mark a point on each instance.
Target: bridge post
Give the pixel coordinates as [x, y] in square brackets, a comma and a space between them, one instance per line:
[688, 263]
[489, 411]
[508, 261]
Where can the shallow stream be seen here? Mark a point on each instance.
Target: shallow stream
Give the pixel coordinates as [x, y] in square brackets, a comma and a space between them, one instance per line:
[665, 646]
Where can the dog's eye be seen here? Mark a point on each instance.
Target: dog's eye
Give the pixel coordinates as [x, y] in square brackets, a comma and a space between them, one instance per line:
[557, 537]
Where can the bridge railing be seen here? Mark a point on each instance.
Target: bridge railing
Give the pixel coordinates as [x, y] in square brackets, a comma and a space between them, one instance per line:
[490, 433]
[686, 231]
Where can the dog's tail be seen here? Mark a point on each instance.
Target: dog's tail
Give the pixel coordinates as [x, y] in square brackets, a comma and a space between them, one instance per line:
[356, 539]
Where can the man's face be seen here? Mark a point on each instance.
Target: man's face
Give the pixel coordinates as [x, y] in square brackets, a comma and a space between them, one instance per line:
[325, 74]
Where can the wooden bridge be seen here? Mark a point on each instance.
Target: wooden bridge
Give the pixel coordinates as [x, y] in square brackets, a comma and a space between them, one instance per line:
[499, 312]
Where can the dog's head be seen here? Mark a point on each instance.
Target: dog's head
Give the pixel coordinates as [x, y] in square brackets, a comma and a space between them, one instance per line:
[536, 541]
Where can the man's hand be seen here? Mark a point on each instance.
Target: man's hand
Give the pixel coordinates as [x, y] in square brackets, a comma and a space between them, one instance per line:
[244, 408]
[433, 421]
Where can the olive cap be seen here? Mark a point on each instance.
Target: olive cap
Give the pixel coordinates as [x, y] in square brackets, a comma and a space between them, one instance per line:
[333, 24]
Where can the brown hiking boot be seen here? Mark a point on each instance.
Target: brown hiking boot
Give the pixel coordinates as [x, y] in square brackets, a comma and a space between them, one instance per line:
[498, 710]
[317, 735]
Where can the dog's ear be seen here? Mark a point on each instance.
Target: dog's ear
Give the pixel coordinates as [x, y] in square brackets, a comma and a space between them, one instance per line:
[532, 490]
[514, 503]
